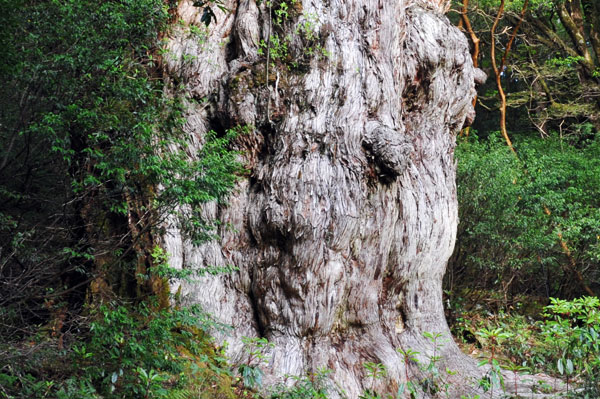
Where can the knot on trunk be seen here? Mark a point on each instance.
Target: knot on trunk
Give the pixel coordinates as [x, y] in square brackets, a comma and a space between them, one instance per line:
[479, 76]
[389, 148]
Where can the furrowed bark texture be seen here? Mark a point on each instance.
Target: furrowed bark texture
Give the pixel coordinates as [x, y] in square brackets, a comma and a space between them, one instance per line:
[342, 229]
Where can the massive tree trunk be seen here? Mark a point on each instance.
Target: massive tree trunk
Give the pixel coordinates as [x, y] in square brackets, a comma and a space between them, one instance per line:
[343, 226]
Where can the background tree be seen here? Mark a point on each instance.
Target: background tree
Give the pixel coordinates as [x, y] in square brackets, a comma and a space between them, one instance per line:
[551, 77]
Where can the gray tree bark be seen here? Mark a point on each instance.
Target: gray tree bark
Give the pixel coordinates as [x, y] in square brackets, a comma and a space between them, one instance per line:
[342, 229]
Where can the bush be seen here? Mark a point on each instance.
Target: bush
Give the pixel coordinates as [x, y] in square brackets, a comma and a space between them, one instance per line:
[126, 351]
[532, 224]
[571, 342]
[563, 342]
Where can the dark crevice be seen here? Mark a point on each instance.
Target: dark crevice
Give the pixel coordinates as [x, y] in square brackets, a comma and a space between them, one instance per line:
[231, 50]
[415, 95]
[216, 125]
[261, 329]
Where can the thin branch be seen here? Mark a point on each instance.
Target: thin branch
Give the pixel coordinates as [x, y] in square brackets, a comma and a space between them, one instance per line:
[475, 56]
[498, 71]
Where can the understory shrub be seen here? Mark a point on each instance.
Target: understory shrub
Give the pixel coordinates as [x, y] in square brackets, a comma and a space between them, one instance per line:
[124, 351]
[528, 223]
[563, 341]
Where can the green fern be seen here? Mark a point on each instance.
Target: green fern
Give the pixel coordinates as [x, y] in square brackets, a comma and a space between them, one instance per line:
[179, 394]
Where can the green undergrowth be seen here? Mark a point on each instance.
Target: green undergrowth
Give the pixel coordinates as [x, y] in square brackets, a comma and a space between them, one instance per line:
[529, 224]
[561, 341]
[121, 350]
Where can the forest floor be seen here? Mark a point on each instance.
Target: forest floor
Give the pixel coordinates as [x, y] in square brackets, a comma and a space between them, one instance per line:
[529, 343]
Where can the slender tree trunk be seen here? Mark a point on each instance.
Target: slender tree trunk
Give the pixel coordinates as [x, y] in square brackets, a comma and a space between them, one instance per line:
[575, 33]
[498, 74]
[592, 17]
[479, 78]
[498, 71]
[548, 36]
[342, 229]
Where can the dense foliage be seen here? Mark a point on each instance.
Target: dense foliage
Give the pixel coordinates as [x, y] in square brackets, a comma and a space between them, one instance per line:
[529, 224]
[93, 165]
[124, 352]
[87, 137]
[528, 200]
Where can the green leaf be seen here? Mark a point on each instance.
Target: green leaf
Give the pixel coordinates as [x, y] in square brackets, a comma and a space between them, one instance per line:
[569, 367]
[559, 366]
